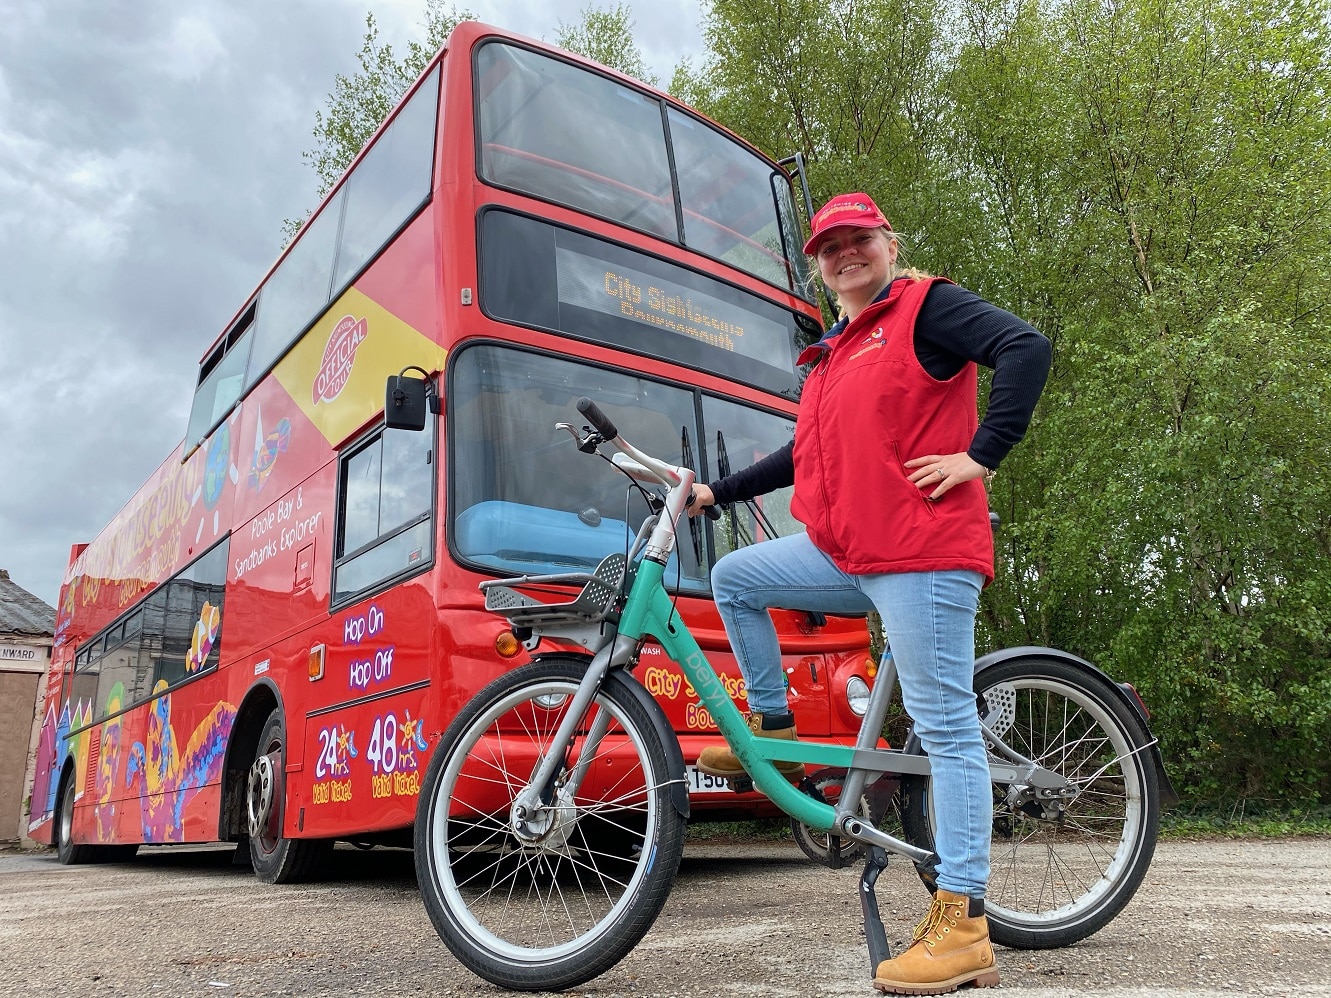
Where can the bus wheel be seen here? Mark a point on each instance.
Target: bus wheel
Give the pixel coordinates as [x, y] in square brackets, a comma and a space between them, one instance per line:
[66, 851]
[276, 860]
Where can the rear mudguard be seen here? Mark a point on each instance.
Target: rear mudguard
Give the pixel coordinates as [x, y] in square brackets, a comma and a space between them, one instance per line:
[1168, 797]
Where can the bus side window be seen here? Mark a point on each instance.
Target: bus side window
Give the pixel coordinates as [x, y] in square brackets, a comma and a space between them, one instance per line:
[194, 596]
[385, 512]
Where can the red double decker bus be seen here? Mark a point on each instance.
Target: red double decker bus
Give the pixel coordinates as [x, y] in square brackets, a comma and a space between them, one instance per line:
[264, 645]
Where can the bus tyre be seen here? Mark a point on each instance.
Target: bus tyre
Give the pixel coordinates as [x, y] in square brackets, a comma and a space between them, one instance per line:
[276, 860]
[1059, 870]
[69, 853]
[536, 896]
[66, 851]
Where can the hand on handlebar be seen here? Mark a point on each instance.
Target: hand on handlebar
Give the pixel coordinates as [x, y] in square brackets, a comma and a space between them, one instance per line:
[703, 503]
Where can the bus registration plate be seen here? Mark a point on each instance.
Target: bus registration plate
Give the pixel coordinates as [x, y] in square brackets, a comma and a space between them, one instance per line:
[704, 783]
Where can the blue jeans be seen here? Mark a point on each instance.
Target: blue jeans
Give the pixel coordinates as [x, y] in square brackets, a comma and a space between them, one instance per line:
[930, 622]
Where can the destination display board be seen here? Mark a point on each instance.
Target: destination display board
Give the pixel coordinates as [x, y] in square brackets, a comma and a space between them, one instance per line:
[550, 277]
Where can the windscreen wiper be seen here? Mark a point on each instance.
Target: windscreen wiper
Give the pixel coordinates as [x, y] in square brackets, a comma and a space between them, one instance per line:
[686, 455]
[723, 465]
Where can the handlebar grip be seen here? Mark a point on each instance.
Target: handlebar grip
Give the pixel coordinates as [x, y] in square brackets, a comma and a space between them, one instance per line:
[712, 512]
[597, 418]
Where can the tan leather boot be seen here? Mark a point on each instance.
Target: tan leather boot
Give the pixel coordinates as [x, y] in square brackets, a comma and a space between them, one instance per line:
[950, 948]
[718, 760]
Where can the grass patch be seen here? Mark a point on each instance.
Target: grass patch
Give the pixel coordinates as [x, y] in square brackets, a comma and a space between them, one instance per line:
[765, 829]
[1244, 819]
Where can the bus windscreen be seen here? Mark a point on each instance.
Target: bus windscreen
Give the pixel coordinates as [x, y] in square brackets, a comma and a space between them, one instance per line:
[549, 277]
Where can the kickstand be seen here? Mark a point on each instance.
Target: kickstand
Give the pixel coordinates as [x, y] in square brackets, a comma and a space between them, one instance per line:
[874, 933]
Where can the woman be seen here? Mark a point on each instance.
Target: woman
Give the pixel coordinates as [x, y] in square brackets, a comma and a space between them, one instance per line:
[888, 463]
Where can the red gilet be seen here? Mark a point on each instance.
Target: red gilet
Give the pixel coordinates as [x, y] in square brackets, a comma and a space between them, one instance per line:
[867, 408]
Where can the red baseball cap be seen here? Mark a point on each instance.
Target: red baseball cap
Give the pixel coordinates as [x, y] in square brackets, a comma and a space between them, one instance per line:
[846, 209]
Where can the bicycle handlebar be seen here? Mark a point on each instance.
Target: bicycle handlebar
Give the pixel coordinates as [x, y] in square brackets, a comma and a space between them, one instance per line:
[711, 512]
[631, 460]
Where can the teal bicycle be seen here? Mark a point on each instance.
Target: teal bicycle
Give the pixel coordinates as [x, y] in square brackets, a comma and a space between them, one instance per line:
[551, 820]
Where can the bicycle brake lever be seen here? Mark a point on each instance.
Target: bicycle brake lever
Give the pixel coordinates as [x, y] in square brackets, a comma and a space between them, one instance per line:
[587, 444]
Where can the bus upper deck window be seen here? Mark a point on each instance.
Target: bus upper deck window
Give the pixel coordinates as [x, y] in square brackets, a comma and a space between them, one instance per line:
[543, 127]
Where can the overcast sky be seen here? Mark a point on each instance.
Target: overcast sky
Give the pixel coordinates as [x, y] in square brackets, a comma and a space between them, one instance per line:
[149, 151]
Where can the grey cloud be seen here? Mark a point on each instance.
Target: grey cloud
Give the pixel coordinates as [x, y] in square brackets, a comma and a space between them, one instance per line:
[149, 151]
[148, 154]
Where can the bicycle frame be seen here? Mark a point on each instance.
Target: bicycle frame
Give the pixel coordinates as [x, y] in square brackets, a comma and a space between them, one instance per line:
[651, 615]
[649, 612]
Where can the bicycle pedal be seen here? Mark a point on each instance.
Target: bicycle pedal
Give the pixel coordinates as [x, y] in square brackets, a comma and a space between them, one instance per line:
[741, 784]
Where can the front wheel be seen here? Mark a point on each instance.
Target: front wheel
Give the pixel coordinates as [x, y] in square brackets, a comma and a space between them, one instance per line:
[1060, 871]
[552, 898]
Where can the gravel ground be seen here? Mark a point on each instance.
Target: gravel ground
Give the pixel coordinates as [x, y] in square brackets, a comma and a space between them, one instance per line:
[1213, 918]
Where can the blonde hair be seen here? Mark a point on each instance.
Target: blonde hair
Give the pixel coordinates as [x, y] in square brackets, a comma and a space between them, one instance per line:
[902, 268]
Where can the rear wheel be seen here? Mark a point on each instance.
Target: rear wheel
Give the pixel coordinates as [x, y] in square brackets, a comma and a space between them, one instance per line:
[552, 897]
[65, 849]
[276, 860]
[69, 853]
[1060, 870]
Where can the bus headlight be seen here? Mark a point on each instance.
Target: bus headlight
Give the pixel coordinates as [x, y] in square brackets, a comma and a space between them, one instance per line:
[857, 695]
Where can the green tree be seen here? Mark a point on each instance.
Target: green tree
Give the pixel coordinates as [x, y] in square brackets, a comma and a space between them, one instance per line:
[850, 84]
[1150, 178]
[1207, 169]
[605, 35]
[361, 101]
[1146, 181]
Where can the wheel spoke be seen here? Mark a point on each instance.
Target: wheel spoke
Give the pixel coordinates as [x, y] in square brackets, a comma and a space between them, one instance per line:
[1062, 866]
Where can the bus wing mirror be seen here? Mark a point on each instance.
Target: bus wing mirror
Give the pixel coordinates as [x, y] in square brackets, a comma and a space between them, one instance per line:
[406, 400]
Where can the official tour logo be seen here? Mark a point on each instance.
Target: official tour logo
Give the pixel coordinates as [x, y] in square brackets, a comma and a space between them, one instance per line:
[339, 356]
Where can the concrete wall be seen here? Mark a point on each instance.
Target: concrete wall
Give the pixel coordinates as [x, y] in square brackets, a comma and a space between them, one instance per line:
[18, 708]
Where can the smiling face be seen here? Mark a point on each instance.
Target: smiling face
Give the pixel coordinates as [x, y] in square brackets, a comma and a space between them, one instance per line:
[856, 264]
